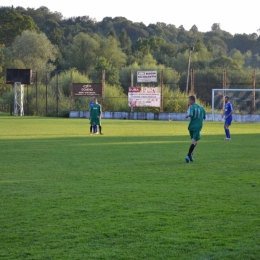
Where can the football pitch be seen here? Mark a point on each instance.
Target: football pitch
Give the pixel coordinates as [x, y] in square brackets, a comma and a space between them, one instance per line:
[128, 194]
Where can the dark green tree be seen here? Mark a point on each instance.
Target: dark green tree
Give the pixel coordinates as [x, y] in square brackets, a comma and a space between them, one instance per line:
[223, 62]
[242, 42]
[125, 42]
[194, 28]
[12, 24]
[184, 47]
[215, 27]
[112, 74]
[210, 47]
[109, 48]
[82, 54]
[112, 33]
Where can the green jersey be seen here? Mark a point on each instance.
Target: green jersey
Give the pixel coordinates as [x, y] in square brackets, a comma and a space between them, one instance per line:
[197, 114]
[95, 111]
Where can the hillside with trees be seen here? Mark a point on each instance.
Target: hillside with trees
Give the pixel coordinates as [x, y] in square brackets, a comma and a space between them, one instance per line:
[47, 42]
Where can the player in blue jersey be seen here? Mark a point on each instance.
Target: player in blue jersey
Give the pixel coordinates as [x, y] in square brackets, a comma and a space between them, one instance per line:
[95, 131]
[228, 111]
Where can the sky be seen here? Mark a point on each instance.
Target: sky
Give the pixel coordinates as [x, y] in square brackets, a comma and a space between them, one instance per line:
[234, 16]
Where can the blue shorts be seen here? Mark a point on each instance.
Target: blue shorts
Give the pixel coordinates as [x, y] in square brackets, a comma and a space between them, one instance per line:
[228, 121]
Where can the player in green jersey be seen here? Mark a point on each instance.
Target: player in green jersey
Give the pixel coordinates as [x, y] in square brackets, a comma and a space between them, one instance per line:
[95, 116]
[197, 114]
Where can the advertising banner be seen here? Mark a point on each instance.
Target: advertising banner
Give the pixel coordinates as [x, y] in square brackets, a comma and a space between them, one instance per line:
[144, 96]
[87, 89]
[146, 76]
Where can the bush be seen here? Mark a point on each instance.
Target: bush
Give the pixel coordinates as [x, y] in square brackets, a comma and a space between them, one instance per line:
[115, 99]
[64, 113]
[64, 81]
[177, 101]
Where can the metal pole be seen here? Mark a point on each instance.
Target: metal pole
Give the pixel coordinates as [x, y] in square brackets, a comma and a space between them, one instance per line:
[103, 87]
[18, 99]
[254, 85]
[46, 95]
[132, 84]
[15, 99]
[213, 107]
[188, 72]
[22, 99]
[224, 81]
[71, 80]
[224, 86]
[27, 100]
[132, 78]
[161, 83]
[192, 82]
[57, 95]
[36, 94]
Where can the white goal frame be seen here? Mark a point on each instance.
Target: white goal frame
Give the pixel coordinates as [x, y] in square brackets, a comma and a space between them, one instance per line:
[224, 90]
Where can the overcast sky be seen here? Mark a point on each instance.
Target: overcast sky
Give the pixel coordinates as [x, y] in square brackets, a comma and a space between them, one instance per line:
[234, 16]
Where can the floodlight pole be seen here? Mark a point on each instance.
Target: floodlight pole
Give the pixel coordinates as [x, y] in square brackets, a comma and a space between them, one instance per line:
[192, 82]
[18, 99]
[188, 72]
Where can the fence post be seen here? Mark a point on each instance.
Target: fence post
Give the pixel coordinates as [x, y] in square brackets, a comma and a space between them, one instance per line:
[46, 94]
[254, 85]
[57, 94]
[103, 87]
[71, 92]
[224, 86]
[27, 102]
[36, 93]
[11, 109]
[132, 84]
[161, 84]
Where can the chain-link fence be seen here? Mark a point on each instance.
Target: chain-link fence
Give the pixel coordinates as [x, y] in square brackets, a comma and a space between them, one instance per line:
[50, 93]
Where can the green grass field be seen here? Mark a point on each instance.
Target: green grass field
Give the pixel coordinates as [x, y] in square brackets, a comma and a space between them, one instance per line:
[128, 194]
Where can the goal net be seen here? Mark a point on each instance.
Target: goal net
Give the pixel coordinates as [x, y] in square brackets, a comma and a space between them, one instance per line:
[246, 102]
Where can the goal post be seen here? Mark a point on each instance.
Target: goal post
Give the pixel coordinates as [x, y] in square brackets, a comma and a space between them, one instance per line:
[245, 101]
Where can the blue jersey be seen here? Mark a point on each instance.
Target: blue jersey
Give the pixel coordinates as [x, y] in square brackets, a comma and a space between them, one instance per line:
[228, 109]
[91, 104]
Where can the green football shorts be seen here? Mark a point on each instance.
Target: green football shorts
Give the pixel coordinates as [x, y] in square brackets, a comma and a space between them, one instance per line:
[95, 121]
[195, 135]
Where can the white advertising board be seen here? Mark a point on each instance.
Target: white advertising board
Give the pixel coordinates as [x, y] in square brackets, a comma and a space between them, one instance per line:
[146, 76]
[144, 96]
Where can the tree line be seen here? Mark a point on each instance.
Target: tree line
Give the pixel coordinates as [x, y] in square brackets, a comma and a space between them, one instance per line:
[46, 41]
